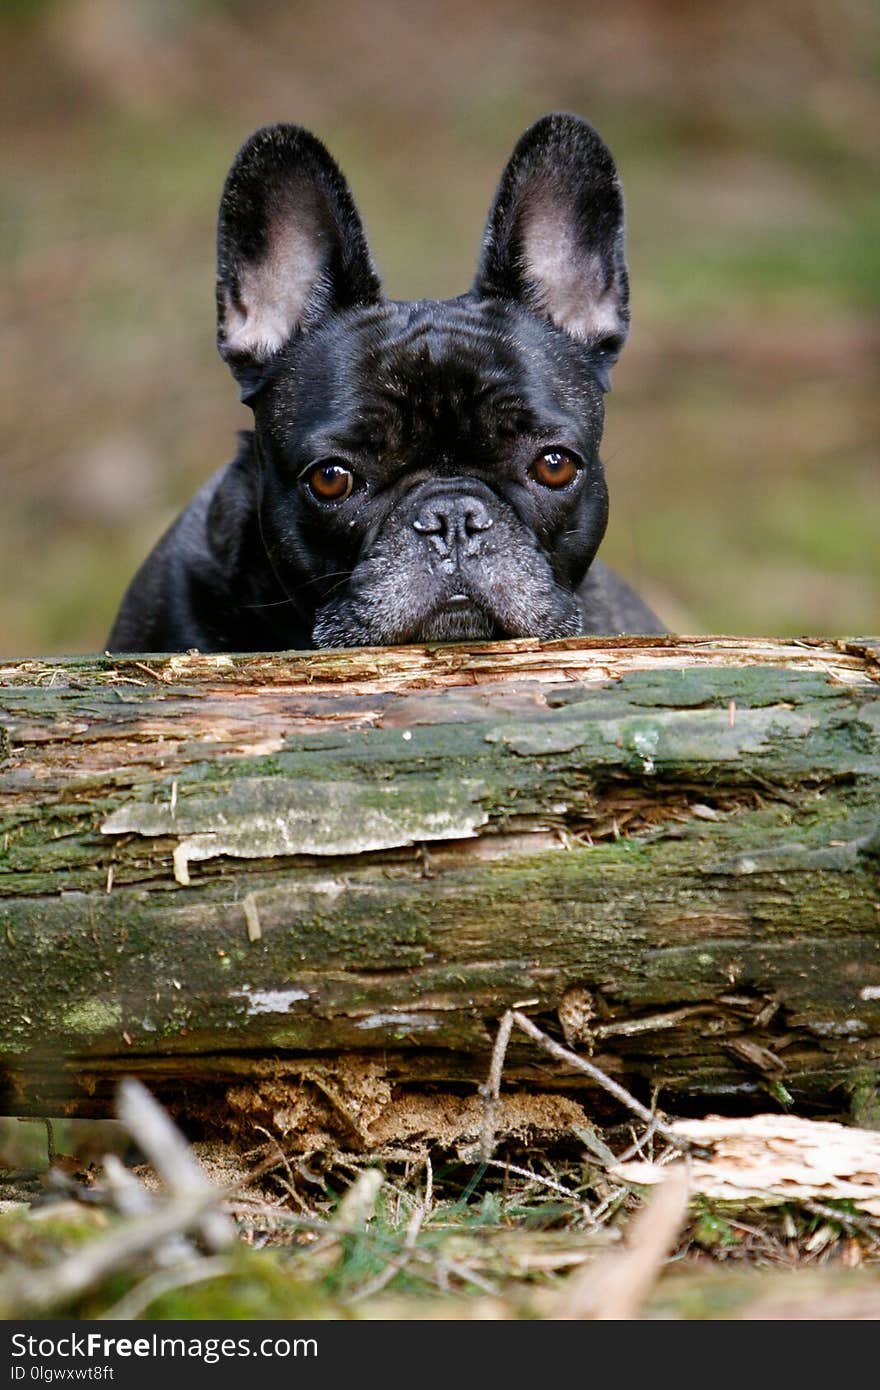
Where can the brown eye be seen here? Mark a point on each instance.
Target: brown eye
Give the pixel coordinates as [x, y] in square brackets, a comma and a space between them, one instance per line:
[556, 468]
[330, 482]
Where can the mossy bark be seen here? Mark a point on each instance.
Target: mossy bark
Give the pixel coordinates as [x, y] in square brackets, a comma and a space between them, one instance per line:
[669, 851]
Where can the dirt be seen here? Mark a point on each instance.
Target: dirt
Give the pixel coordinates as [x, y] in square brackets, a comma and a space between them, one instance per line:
[353, 1106]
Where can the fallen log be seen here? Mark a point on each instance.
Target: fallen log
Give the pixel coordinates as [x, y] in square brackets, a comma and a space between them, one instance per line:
[221, 871]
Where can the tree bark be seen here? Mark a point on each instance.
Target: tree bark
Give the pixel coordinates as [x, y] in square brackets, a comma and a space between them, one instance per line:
[215, 869]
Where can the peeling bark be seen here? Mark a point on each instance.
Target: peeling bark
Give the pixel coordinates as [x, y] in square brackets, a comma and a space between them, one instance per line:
[216, 868]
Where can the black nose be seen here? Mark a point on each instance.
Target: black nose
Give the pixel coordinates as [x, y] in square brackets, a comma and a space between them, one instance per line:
[453, 521]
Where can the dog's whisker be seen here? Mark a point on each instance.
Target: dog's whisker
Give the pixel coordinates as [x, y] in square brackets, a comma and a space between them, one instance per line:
[276, 603]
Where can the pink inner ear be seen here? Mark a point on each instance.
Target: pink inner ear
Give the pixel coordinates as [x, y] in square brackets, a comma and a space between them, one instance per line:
[568, 282]
[274, 293]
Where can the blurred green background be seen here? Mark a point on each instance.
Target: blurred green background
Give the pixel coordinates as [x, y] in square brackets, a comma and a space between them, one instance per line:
[741, 442]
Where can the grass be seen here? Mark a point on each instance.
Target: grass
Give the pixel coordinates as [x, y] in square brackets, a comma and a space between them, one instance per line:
[445, 1236]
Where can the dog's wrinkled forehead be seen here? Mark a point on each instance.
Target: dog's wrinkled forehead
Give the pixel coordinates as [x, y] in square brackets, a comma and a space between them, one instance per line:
[439, 376]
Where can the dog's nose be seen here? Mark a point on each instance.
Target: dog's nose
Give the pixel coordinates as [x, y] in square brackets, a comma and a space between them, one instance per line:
[453, 522]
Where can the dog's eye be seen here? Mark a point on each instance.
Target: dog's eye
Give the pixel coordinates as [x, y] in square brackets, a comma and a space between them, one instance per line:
[556, 468]
[330, 482]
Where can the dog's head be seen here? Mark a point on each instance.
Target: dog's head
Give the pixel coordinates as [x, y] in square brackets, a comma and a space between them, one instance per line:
[428, 470]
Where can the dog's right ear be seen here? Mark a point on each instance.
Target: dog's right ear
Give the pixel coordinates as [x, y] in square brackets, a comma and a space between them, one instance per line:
[291, 249]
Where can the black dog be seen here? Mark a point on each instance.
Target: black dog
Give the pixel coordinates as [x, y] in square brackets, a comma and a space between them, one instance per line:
[423, 471]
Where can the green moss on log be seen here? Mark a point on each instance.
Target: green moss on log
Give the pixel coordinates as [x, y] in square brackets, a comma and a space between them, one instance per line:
[381, 852]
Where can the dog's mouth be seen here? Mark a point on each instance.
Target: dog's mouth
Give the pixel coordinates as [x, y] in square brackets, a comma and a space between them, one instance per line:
[458, 618]
[397, 594]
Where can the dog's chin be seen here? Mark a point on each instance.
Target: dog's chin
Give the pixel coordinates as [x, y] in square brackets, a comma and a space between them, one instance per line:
[447, 622]
[461, 619]
[458, 621]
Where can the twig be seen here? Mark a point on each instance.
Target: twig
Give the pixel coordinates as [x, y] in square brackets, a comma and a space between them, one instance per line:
[491, 1091]
[149, 671]
[163, 1281]
[536, 1178]
[351, 1218]
[358, 1206]
[373, 1286]
[248, 1208]
[638, 1144]
[615, 1287]
[29, 1291]
[444, 1267]
[596, 1147]
[170, 1155]
[428, 1200]
[852, 1221]
[268, 1164]
[283, 1217]
[563, 1054]
[131, 1198]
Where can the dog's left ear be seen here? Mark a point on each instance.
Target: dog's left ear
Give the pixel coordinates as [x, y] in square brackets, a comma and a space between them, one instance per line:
[555, 236]
[291, 250]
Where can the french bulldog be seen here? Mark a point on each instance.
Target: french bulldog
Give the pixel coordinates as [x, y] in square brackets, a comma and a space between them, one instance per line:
[421, 471]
